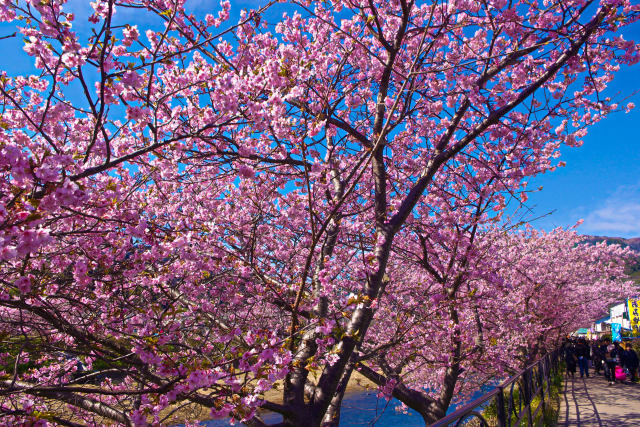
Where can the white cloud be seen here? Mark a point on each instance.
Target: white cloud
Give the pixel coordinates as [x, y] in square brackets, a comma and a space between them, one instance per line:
[619, 215]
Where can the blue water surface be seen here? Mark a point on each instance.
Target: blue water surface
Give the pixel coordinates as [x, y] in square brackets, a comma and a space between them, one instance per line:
[363, 409]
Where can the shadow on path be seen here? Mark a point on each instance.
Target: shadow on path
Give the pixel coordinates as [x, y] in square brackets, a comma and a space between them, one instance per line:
[588, 402]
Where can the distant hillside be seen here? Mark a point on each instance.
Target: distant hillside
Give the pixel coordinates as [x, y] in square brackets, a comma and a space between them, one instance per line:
[633, 269]
[633, 243]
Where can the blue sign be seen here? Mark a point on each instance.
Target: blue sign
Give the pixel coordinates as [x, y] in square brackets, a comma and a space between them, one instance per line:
[615, 332]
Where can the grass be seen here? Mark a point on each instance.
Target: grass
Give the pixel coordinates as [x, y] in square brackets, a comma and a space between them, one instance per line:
[546, 417]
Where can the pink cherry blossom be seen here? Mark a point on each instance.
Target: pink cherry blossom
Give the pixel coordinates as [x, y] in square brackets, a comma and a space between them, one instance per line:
[197, 210]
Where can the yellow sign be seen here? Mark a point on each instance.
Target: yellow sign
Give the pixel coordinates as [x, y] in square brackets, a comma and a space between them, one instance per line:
[634, 315]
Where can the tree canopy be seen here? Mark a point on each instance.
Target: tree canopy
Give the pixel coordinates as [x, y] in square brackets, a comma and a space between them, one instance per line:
[195, 210]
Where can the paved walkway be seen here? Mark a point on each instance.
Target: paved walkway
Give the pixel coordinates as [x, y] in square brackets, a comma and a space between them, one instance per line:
[591, 402]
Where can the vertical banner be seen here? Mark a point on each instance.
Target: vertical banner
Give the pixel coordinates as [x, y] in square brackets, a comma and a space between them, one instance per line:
[634, 315]
[615, 332]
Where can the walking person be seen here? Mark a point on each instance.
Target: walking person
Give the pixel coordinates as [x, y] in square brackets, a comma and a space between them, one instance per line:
[582, 353]
[621, 359]
[610, 360]
[570, 359]
[603, 350]
[631, 362]
[597, 356]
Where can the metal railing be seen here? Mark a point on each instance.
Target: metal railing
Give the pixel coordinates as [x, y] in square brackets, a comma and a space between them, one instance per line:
[512, 399]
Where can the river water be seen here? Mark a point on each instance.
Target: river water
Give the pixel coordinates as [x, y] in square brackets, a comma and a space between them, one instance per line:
[364, 409]
[358, 409]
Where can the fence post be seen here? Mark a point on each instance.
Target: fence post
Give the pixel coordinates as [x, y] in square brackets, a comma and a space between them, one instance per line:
[502, 417]
[527, 377]
[550, 372]
[541, 380]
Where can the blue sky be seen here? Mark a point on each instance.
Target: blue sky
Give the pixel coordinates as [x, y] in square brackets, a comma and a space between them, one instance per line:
[600, 183]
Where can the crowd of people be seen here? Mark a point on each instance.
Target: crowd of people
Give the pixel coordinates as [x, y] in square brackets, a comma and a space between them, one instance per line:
[617, 361]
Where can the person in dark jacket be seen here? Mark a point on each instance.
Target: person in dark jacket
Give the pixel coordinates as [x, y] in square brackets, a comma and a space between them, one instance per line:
[621, 354]
[570, 359]
[631, 361]
[603, 350]
[610, 361]
[597, 355]
[582, 353]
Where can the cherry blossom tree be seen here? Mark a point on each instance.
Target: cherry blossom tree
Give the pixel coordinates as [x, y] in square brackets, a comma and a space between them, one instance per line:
[195, 211]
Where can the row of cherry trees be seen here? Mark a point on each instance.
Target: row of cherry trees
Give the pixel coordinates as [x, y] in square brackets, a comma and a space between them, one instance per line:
[488, 313]
[196, 211]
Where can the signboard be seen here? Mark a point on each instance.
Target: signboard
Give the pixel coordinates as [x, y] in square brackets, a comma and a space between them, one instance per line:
[615, 332]
[634, 315]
